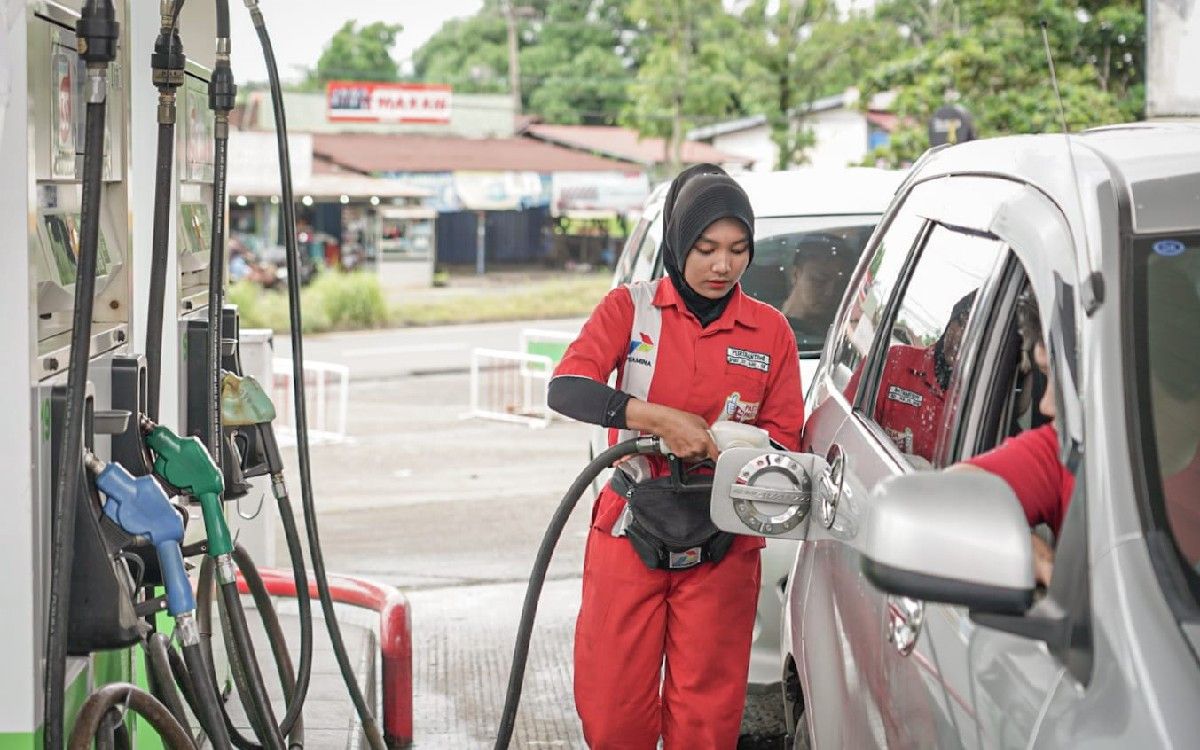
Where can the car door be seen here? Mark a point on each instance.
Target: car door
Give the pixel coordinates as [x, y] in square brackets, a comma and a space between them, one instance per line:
[907, 418]
[834, 621]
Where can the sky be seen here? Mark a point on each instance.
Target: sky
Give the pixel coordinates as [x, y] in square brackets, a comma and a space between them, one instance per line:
[300, 29]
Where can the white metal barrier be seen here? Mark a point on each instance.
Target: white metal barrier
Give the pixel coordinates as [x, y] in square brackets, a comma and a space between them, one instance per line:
[327, 401]
[510, 386]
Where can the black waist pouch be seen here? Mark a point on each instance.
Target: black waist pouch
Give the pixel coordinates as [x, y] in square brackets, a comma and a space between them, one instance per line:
[670, 527]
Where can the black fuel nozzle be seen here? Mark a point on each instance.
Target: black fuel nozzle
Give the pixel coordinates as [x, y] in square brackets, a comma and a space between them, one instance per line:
[96, 32]
[222, 91]
[168, 60]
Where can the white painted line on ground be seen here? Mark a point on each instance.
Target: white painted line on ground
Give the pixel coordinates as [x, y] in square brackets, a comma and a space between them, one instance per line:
[403, 349]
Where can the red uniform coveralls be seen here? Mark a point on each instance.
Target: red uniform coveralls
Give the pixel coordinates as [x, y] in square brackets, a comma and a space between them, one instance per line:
[910, 401]
[699, 620]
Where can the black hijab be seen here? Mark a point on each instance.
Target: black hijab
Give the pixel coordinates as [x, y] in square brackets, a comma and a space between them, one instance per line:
[698, 196]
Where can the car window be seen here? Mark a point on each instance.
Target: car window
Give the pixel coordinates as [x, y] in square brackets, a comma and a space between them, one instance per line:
[1167, 316]
[923, 349]
[629, 253]
[644, 260]
[801, 267]
[869, 300]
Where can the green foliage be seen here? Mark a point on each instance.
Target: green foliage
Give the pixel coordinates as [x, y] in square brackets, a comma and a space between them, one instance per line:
[568, 50]
[470, 54]
[665, 66]
[690, 71]
[990, 56]
[333, 301]
[357, 54]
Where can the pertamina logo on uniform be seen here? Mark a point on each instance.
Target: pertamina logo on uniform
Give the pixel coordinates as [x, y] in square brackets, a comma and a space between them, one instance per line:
[643, 345]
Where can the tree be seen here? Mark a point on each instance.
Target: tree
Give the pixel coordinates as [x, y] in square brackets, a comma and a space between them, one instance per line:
[689, 71]
[357, 54]
[576, 72]
[470, 54]
[990, 58]
[571, 64]
[803, 50]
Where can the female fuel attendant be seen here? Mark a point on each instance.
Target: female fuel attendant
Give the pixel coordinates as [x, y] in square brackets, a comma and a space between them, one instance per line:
[662, 643]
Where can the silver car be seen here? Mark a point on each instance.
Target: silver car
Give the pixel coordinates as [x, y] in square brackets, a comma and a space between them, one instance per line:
[810, 228]
[912, 618]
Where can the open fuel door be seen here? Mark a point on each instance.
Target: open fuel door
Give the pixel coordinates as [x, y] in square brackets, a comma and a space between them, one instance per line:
[770, 493]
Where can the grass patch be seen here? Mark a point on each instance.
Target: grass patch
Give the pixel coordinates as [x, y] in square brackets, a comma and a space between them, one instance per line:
[546, 300]
[355, 301]
[332, 302]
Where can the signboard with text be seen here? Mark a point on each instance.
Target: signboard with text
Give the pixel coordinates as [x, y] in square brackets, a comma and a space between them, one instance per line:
[367, 101]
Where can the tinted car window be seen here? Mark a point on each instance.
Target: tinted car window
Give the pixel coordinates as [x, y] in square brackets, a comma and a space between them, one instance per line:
[866, 305]
[1168, 305]
[801, 267]
[923, 349]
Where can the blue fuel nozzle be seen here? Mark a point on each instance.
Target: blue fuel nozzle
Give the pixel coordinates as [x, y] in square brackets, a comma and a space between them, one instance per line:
[140, 507]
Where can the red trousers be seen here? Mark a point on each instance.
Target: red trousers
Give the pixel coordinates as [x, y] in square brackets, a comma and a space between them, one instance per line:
[662, 653]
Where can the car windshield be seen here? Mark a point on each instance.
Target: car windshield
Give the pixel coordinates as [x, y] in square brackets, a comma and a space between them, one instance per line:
[1167, 305]
[801, 267]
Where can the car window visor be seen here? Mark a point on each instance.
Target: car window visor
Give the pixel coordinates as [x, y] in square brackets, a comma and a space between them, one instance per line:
[1064, 356]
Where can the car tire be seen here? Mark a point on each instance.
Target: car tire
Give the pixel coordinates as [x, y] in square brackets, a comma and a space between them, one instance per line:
[798, 737]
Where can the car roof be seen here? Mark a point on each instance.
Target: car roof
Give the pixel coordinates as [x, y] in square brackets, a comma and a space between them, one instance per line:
[808, 191]
[1159, 163]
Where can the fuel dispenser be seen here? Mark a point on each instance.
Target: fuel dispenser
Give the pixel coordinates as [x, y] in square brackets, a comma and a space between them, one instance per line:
[110, 486]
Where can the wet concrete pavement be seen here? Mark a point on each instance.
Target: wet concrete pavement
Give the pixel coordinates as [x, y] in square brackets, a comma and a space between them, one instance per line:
[451, 510]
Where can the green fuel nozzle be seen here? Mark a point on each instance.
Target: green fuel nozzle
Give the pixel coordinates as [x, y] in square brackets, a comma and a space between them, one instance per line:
[185, 463]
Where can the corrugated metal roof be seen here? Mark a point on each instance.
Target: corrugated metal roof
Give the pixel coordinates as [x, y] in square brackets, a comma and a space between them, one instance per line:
[625, 144]
[373, 153]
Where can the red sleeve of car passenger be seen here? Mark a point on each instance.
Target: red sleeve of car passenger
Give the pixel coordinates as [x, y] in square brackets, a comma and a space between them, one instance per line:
[603, 341]
[1029, 464]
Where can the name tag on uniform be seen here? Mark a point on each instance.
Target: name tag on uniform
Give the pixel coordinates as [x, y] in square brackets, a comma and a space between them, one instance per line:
[904, 396]
[747, 358]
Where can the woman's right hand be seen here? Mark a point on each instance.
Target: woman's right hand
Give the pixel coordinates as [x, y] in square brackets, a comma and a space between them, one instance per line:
[685, 434]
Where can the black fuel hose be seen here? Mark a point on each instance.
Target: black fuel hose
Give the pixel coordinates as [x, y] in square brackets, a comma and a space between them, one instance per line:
[122, 694]
[537, 576]
[158, 267]
[162, 682]
[245, 660]
[168, 63]
[183, 679]
[275, 636]
[283, 660]
[97, 30]
[287, 204]
[199, 687]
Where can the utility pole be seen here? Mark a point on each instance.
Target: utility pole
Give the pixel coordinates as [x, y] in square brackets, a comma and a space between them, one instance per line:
[514, 64]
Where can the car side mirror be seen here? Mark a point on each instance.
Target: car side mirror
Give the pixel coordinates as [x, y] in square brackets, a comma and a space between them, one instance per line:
[957, 537]
[764, 493]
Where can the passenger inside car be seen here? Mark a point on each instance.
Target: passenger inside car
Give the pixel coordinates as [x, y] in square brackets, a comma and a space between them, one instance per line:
[821, 268]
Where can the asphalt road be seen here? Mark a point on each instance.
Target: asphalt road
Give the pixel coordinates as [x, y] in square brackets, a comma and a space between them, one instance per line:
[400, 352]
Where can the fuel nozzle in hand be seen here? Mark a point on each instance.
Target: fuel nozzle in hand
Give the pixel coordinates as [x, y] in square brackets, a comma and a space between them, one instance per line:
[185, 463]
[725, 434]
[139, 506]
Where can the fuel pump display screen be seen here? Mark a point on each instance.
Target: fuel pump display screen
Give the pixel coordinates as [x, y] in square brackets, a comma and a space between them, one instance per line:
[196, 227]
[63, 230]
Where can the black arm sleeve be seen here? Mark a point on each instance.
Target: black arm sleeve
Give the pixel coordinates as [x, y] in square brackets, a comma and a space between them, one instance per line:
[588, 401]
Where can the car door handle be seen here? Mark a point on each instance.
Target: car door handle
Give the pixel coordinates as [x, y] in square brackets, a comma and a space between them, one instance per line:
[905, 617]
